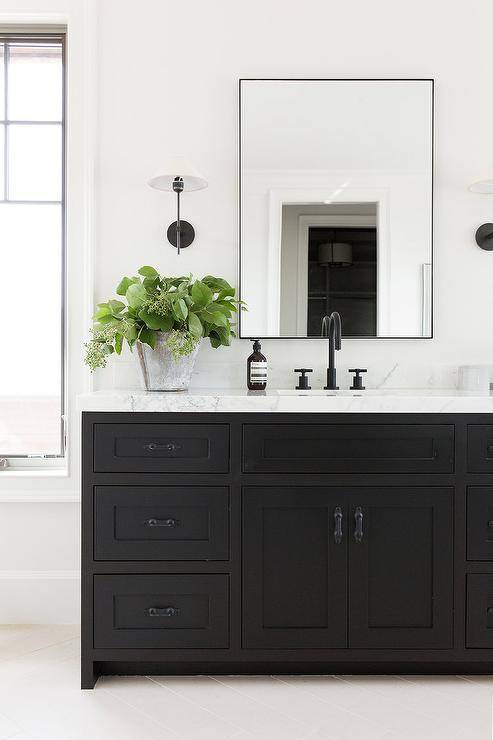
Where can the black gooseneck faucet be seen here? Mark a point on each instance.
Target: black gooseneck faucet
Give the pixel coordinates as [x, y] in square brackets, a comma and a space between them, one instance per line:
[332, 327]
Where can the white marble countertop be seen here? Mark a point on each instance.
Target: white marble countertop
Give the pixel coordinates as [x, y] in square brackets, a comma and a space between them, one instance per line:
[239, 400]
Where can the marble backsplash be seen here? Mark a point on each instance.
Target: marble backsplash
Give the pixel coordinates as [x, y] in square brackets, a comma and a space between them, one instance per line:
[224, 373]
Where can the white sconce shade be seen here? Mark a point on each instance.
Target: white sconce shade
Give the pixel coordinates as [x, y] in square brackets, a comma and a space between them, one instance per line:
[483, 186]
[178, 167]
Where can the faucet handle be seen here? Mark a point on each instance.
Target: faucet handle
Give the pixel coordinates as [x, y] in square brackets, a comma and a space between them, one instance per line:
[303, 380]
[357, 380]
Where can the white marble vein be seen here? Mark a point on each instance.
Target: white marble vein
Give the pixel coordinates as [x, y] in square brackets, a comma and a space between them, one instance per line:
[283, 401]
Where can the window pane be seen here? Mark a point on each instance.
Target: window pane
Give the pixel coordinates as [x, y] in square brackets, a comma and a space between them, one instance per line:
[35, 162]
[30, 263]
[34, 82]
[2, 82]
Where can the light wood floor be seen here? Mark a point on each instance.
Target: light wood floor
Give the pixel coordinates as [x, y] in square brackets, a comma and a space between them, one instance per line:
[40, 698]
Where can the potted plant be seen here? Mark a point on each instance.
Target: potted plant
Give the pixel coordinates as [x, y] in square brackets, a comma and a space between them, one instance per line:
[165, 320]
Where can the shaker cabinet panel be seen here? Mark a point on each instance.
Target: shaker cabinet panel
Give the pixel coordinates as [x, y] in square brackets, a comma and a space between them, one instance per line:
[480, 448]
[401, 568]
[161, 611]
[161, 523]
[480, 523]
[479, 631]
[348, 448]
[294, 568]
[161, 448]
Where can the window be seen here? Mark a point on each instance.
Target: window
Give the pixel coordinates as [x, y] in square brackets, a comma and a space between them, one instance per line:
[32, 212]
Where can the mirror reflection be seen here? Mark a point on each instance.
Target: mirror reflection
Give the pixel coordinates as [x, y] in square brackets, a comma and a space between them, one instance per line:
[336, 207]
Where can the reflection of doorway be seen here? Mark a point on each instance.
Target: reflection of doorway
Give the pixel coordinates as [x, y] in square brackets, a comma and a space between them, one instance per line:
[342, 276]
[356, 291]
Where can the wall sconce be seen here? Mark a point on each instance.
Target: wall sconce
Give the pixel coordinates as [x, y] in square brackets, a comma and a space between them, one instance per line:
[484, 235]
[178, 175]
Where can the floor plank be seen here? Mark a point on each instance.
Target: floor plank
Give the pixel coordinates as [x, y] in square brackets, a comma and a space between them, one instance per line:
[40, 699]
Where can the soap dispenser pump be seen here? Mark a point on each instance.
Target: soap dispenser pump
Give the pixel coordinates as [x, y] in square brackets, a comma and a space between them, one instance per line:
[257, 369]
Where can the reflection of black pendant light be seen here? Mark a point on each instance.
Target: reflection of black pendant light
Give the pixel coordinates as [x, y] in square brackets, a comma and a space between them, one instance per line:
[335, 254]
[179, 175]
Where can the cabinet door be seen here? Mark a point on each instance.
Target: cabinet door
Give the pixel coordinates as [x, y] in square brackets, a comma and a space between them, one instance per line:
[295, 560]
[401, 568]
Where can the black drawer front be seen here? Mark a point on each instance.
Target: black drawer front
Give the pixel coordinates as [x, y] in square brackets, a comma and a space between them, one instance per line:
[161, 448]
[161, 523]
[480, 448]
[480, 523]
[479, 632]
[348, 448]
[161, 611]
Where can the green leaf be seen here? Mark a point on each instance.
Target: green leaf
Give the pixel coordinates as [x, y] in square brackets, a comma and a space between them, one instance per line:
[195, 325]
[215, 340]
[116, 307]
[106, 319]
[180, 309]
[227, 304]
[217, 318]
[129, 331]
[136, 295]
[151, 320]
[147, 336]
[224, 335]
[179, 280]
[147, 271]
[103, 310]
[218, 284]
[201, 293]
[218, 307]
[166, 323]
[228, 293]
[118, 344]
[151, 283]
[124, 284]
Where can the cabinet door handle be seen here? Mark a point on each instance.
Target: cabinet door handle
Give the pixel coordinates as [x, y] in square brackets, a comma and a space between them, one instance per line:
[338, 525]
[170, 523]
[358, 521]
[162, 611]
[168, 447]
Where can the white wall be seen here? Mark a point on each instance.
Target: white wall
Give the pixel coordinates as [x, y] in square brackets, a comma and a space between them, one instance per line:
[167, 75]
[151, 105]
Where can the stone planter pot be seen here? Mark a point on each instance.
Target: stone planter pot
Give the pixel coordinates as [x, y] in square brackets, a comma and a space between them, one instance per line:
[159, 369]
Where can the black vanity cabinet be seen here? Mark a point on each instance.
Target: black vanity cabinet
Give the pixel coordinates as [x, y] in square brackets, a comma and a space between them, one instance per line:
[347, 567]
[278, 543]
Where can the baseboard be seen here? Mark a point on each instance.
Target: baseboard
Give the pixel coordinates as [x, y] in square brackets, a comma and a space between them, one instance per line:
[39, 597]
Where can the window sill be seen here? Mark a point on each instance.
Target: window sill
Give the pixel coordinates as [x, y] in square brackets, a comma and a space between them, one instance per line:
[27, 496]
[34, 473]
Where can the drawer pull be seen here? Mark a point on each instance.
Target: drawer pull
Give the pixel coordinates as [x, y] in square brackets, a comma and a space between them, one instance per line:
[338, 525]
[358, 520]
[490, 523]
[162, 611]
[168, 447]
[489, 449]
[170, 523]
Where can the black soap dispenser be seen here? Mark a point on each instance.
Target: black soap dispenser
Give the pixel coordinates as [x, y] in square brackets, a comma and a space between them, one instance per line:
[257, 369]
